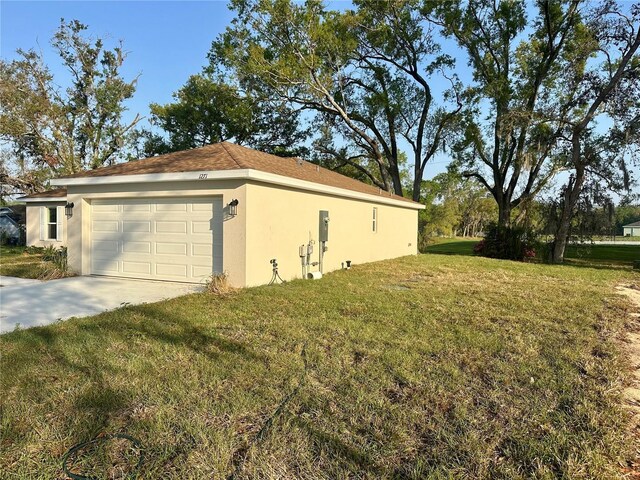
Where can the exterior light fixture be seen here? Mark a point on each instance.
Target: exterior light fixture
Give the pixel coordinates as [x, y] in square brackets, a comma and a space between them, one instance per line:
[68, 209]
[233, 207]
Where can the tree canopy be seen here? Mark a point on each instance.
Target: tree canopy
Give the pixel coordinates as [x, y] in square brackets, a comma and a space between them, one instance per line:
[53, 131]
[208, 111]
[363, 75]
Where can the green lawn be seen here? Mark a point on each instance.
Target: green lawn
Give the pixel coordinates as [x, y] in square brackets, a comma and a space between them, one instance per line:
[586, 254]
[431, 366]
[604, 254]
[14, 262]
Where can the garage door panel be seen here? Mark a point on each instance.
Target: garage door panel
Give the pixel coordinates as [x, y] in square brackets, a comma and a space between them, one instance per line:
[201, 250]
[169, 270]
[176, 239]
[143, 268]
[171, 207]
[105, 247]
[167, 248]
[171, 227]
[200, 207]
[198, 271]
[136, 226]
[99, 207]
[136, 208]
[104, 266]
[104, 226]
[200, 227]
[136, 247]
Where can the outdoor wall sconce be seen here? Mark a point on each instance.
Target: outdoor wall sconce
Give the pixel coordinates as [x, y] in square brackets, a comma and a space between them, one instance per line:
[233, 207]
[68, 209]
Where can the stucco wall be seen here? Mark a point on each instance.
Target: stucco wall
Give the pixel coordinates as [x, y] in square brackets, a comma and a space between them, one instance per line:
[79, 225]
[272, 222]
[632, 231]
[279, 220]
[33, 225]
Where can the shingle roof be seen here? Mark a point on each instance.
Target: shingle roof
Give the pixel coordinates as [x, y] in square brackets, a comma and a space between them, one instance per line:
[634, 224]
[57, 192]
[229, 156]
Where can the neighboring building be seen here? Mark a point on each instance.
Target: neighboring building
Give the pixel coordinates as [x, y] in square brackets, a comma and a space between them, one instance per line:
[219, 208]
[631, 230]
[9, 229]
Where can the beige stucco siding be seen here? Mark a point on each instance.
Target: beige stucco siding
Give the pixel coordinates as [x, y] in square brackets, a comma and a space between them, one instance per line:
[273, 221]
[280, 219]
[33, 225]
[234, 239]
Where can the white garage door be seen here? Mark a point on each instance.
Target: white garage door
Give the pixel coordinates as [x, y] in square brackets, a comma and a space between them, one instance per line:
[177, 239]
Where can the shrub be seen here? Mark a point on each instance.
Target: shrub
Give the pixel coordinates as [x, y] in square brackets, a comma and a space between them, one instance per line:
[424, 240]
[509, 243]
[55, 263]
[218, 284]
[49, 253]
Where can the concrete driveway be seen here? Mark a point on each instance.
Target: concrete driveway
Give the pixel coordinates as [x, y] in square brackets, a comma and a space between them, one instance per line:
[31, 303]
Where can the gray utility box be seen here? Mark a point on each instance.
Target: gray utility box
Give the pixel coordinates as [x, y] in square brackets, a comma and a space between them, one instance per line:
[323, 226]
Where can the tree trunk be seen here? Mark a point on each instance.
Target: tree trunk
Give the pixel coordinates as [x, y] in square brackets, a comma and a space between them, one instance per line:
[571, 195]
[504, 213]
[417, 184]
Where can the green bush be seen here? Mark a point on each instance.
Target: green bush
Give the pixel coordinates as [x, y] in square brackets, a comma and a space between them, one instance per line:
[424, 240]
[509, 243]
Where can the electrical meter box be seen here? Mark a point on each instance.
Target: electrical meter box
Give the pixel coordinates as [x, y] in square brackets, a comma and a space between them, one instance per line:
[323, 227]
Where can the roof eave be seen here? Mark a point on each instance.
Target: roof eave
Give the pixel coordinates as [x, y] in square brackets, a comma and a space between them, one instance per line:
[41, 199]
[237, 174]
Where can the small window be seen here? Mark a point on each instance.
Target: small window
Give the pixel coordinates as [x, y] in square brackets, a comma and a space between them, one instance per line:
[52, 223]
[375, 219]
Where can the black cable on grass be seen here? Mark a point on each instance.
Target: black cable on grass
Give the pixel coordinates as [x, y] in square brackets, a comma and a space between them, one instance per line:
[105, 438]
[260, 436]
[239, 464]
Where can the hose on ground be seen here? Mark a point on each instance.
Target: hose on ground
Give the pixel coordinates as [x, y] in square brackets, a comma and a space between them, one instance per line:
[102, 439]
[264, 430]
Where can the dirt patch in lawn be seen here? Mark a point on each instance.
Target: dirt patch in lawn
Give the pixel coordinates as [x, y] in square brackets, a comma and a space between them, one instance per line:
[631, 345]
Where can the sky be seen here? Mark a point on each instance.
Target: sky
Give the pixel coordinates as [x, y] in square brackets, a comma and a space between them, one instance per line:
[166, 41]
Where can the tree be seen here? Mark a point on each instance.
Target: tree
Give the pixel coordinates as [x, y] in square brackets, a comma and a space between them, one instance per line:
[604, 83]
[53, 132]
[363, 75]
[208, 111]
[507, 129]
[455, 206]
[625, 213]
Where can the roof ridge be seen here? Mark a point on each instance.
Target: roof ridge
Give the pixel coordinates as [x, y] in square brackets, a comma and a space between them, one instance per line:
[233, 157]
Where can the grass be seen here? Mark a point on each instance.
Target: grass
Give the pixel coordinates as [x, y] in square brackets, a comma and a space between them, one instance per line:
[604, 254]
[452, 246]
[584, 254]
[422, 367]
[29, 263]
[15, 262]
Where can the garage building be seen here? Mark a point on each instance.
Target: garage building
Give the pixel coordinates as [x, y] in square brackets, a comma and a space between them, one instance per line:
[221, 208]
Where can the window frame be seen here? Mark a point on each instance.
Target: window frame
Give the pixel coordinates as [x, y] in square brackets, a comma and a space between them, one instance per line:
[46, 225]
[374, 219]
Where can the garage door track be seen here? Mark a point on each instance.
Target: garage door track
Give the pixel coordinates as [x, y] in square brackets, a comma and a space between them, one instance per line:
[30, 303]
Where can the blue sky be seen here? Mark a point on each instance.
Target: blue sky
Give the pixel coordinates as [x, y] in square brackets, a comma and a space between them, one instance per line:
[166, 41]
